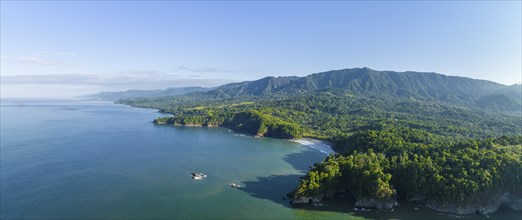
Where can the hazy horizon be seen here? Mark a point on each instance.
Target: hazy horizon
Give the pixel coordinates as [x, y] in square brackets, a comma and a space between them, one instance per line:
[67, 49]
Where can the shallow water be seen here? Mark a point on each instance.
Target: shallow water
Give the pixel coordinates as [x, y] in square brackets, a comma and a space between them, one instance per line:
[68, 159]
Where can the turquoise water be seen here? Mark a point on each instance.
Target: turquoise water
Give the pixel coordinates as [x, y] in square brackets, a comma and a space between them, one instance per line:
[67, 159]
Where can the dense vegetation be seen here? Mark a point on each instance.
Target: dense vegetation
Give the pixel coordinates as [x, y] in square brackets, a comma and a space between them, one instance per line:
[331, 113]
[452, 140]
[383, 164]
[252, 121]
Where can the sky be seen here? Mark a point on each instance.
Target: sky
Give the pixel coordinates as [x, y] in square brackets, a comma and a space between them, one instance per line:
[70, 48]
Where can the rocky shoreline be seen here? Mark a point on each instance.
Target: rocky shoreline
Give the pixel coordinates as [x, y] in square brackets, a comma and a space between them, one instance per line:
[279, 134]
[363, 203]
[484, 208]
[195, 125]
[208, 125]
[376, 204]
[187, 125]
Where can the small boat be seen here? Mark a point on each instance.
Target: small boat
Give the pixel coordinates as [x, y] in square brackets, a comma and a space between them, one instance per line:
[198, 176]
[235, 185]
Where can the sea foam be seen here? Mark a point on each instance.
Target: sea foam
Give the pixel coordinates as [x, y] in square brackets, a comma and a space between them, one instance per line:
[316, 144]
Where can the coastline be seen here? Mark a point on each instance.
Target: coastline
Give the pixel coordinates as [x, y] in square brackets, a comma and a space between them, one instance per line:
[325, 148]
[322, 146]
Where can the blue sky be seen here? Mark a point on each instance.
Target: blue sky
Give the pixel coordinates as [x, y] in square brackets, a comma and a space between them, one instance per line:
[56, 49]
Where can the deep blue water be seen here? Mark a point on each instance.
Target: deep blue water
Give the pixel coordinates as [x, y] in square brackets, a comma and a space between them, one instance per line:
[68, 159]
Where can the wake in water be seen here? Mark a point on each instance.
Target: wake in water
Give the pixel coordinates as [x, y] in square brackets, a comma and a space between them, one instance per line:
[321, 146]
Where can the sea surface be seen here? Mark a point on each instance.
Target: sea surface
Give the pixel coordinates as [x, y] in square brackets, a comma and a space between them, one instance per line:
[71, 159]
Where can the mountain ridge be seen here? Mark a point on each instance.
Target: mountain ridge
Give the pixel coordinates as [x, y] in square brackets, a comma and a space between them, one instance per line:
[411, 84]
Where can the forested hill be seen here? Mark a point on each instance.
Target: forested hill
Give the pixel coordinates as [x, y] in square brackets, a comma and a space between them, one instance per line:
[415, 85]
[264, 86]
[507, 98]
[336, 102]
[395, 133]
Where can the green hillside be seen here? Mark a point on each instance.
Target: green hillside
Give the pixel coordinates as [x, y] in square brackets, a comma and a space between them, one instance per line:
[394, 133]
[428, 86]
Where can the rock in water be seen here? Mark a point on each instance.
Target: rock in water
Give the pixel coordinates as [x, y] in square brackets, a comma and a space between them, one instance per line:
[374, 203]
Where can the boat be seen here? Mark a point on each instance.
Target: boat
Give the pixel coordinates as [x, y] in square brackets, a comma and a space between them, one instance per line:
[198, 176]
[235, 185]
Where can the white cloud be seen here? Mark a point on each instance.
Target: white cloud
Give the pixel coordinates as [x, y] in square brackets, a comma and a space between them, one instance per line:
[31, 59]
[46, 57]
[198, 70]
[45, 51]
[61, 53]
[34, 59]
[209, 70]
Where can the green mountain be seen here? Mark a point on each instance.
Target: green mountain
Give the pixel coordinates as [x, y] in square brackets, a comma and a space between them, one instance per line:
[506, 98]
[425, 85]
[451, 143]
[344, 101]
[413, 85]
[264, 86]
[417, 85]
[113, 96]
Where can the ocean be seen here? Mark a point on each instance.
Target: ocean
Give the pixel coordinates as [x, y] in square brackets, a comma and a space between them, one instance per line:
[73, 159]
